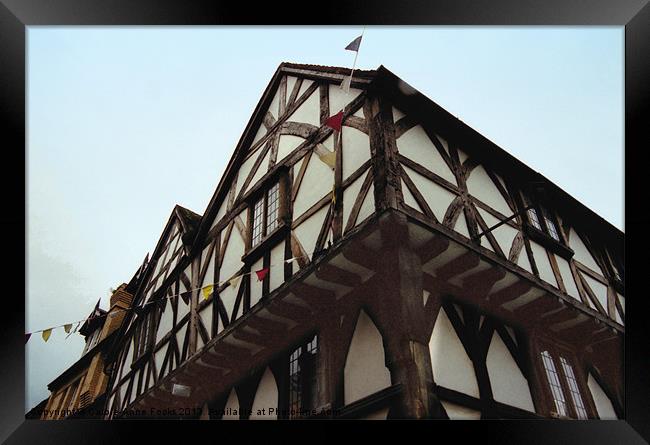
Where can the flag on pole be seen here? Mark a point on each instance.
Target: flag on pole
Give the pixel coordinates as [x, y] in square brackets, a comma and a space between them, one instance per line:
[354, 45]
[261, 274]
[207, 290]
[27, 337]
[46, 334]
[67, 327]
[335, 121]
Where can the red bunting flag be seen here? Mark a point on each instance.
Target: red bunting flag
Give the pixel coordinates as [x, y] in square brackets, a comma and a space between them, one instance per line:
[335, 121]
[261, 274]
[27, 337]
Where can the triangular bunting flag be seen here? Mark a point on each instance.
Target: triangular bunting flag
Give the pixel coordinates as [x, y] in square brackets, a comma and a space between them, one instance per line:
[67, 327]
[207, 291]
[186, 297]
[354, 45]
[27, 337]
[345, 85]
[234, 281]
[46, 334]
[335, 121]
[261, 274]
[333, 194]
[328, 158]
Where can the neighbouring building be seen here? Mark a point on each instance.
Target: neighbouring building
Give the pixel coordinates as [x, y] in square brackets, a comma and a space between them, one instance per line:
[403, 266]
[80, 391]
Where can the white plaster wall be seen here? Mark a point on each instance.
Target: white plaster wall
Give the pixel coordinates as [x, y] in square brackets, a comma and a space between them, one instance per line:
[603, 404]
[209, 275]
[166, 322]
[243, 173]
[277, 267]
[582, 253]
[305, 86]
[286, 145]
[261, 171]
[504, 234]
[350, 196]
[231, 409]
[256, 285]
[397, 114]
[365, 370]
[206, 318]
[266, 397]
[416, 145]
[438, 198]
[339, 98]
[159, 357]
[409, 199]
[228, 296]
[261, 131]
[316, 183]
[523, 261]
[307, 232]
[543, 264]
[508, 384]
[356, 150]
[452, 368]
[458, 412]
[368, 205]
[481, 186]
[600, 290]
[274, 108]
[461, 225]
[232, 256]
[309, 111]
[291, 82]
[567, 278]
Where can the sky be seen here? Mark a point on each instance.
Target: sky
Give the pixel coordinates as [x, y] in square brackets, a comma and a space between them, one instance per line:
[126, 122]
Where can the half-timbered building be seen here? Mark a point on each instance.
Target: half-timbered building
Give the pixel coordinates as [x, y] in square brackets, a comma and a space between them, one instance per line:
[403, 266]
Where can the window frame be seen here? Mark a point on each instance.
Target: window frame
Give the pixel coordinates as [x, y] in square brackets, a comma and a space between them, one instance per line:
[268, 234]
[539, 231]
[557, 355]
[307, 378]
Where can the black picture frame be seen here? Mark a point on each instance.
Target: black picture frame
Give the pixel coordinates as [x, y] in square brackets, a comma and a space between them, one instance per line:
[15, 15]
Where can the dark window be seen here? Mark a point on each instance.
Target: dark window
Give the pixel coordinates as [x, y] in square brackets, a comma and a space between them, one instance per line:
[554, 382]
[556, 379]
[302, 378]
[267, 210]
[573, 389]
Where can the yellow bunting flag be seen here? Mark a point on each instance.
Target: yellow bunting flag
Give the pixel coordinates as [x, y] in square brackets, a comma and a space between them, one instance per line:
[333, 194]
[67, 327]
[328, 158]
[207, 290]
[46, 334]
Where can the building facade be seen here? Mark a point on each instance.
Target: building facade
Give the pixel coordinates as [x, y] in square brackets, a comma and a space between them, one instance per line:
[79, 392]
[402, 266]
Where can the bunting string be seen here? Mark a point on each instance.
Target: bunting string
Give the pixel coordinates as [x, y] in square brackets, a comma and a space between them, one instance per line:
[207, 290]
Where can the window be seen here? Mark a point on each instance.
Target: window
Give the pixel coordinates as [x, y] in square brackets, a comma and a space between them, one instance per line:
[266, 213]
[92, 340]
[143, 334]
[554, 383]
[556, 380]
[573, 389]
[302, 378]
[550, 225]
